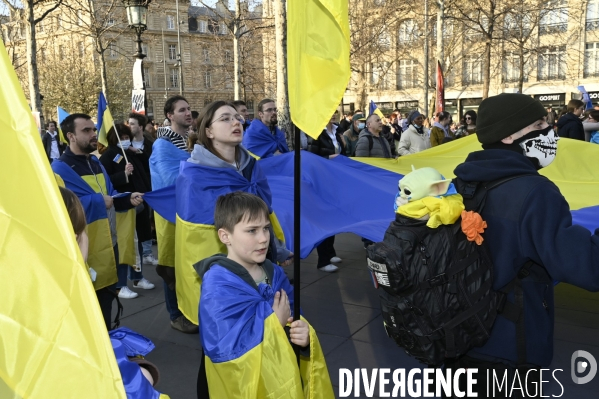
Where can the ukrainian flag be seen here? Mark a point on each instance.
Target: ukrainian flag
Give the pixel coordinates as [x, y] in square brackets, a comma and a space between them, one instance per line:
[249, 356]
[197, 189]
[101, 253]
[62, 114]
[105, 120]
[373, 109]
[53, 338]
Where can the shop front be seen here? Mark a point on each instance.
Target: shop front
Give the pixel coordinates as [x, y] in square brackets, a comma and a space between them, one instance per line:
[556, 101]
[594, 95]
[406, 106]
[451, 106]
[468, 104]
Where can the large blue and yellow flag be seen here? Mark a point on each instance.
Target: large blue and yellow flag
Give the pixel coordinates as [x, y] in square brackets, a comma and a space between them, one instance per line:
[53, 337]
[89, 189]
[317, 60]
[197, 189]
[249, 356]
[105, 120]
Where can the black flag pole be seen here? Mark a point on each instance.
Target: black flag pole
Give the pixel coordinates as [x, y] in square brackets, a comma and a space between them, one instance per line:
[297, 180]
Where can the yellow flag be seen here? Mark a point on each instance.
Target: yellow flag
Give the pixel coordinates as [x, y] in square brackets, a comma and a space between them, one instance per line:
[53, 341]
[317, 60]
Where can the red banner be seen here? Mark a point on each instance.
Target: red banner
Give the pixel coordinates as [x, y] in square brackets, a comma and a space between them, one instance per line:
[440, 103]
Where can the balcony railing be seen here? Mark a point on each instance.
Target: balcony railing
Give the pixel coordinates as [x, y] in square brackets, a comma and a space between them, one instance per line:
[552, 76]
[546, 29]
[591, 74]
[592, 24]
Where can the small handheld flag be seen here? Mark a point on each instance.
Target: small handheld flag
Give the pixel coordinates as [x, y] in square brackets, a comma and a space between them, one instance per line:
[375, 110]
[62, 114]
[105, 121]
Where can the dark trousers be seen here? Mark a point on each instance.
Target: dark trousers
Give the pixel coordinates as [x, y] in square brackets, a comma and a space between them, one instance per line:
[326, 251]
[105, 297]
[499, 369]
[170, 295]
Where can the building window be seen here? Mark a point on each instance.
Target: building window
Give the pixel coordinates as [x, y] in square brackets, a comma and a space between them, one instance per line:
[111, 49]
[592, 18]
[517, 25]
[147, 81]
[406, 74]
[207, 101]
[206, 55]
[110, 20]
[223, 28]
[58, 22]
[384, 39]
[554, 18]
[249, 104]
[472, 72]
[203, 26]
[61, 53]
[379, 76]
[43, 55]
[591, 60]
[174, 77]
[552, 63]
[170, 22]
[208, 79]
[79, 18]
[145, 50]
[150, 110]
[172, 51]
[40, 26]
[511, 67]
[228, 57]
[81, 47]
[408, 31]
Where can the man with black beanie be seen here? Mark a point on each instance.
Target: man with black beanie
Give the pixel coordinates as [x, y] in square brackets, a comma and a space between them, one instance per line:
[529, 234]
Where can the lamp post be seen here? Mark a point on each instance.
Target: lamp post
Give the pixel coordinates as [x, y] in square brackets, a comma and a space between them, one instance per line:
[137, 16]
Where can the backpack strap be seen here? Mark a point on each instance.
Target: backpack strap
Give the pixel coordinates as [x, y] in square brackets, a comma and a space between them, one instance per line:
[475, 193]
[370, 143]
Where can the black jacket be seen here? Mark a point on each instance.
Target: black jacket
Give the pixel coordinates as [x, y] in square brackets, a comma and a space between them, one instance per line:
[529, 219]
[114, 163]
[324, 146]
[570, 126]
[47, 142]
[144, 156]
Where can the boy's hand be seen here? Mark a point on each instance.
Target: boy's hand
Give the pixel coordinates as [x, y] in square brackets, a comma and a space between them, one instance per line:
[299, 332]
[281, 307]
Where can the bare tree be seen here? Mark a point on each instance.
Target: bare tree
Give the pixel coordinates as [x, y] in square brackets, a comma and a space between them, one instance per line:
[28, 16]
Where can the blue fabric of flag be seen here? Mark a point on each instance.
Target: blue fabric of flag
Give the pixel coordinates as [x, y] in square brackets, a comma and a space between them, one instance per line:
[586, 99]
[258, 140]
[164, 163]
[136, 385]
[232, 312]
[205, 184]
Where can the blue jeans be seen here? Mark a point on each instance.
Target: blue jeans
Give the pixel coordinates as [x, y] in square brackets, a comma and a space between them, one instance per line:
[123, 271]
[147, 248]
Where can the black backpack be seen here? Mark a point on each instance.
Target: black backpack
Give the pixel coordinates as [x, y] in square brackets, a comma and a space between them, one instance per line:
[436, 287]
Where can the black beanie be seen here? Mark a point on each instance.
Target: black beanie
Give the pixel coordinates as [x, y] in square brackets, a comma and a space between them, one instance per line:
[505, 114]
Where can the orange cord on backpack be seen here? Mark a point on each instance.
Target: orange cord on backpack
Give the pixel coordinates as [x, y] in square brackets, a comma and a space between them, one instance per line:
[473, 226]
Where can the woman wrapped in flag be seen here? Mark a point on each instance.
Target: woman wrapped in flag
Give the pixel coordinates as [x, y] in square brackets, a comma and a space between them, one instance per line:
[248, 354]
[245, 315]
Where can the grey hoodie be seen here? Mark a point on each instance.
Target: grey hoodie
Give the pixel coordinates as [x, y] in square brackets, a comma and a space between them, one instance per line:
[362, 147]
[201, 156]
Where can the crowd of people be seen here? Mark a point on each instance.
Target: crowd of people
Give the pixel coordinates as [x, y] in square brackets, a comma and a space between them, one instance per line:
[220, 138]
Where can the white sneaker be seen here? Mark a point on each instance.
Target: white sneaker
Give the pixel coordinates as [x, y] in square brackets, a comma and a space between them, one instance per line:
[126, 293]
[329, 268]
[335, 259]
[151, 260]
[144, 284]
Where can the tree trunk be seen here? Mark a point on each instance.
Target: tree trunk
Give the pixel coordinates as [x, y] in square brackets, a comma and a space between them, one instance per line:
[236, 63]
[284, 121]
[487, 69]
[34, 85]
[521, 71]
[362, 95]
[100, 50]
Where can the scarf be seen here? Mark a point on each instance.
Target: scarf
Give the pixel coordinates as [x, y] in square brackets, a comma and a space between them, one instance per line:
[420, 129]
[444, 128]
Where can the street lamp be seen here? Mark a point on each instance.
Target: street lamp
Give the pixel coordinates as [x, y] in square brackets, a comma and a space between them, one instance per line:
[137, 16]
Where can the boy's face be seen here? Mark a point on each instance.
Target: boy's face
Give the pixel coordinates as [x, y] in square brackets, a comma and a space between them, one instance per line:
[248, 243]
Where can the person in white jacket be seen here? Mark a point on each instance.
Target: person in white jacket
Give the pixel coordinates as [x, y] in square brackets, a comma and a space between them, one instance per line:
[414, 139]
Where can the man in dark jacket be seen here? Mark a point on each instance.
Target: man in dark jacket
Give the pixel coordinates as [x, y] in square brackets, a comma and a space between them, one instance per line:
[528, 220]
[52, 144]
[569, 125]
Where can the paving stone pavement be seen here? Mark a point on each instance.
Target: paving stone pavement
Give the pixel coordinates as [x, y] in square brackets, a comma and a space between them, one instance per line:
[343, 307]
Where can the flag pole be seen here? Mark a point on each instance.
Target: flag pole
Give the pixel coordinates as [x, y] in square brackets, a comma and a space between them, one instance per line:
[119, 140]
[297, 179]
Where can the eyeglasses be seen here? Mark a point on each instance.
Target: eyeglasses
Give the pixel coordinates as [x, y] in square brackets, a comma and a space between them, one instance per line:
[467, 118]
[228, 118]
[269, 110]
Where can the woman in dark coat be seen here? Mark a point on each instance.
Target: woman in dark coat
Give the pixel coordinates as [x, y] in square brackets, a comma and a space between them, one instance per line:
[570, 125]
